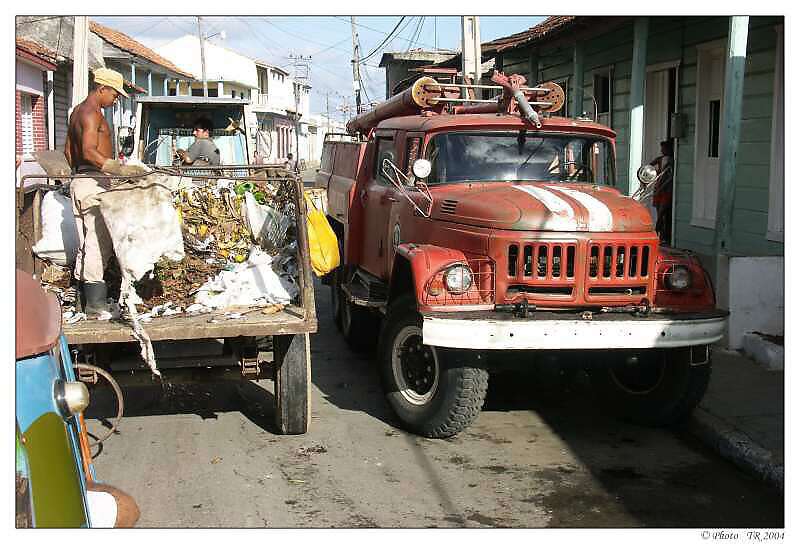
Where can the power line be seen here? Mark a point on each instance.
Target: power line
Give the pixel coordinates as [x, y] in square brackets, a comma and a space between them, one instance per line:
[305, 38]
[37, 20]
[386, 39]
[378, 31]
[148, 29]
[416, 33]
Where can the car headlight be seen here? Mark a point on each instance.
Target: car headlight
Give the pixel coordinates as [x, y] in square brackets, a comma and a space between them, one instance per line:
[71, 397]
[458, 279]
[679, 279]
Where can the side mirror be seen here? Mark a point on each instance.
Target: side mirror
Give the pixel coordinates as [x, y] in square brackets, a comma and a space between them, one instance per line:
[421, 168]
[647, 174]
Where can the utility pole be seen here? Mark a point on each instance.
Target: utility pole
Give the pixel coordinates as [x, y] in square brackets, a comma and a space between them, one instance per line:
[300, 76]
[356, 63]
[471, 52]
[202, 55]
[80, 60]
[328, 110]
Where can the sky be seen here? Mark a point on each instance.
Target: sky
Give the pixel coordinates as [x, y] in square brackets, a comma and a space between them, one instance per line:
[326, 39]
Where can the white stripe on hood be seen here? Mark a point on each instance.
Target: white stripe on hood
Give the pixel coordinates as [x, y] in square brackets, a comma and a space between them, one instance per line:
[562, 215]
[600, 218]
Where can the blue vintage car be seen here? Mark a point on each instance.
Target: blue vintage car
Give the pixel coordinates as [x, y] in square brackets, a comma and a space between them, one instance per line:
[55, 482]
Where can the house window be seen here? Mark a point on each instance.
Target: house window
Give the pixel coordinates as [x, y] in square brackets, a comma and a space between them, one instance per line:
[213, 92]
[197, 91]
[27, 124]
[564, 83]
[776, 172]
[713, 128]
[602, 95]
[233, 94]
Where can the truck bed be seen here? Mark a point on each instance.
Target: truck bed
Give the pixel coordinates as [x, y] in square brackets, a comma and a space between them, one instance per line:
[290, 320]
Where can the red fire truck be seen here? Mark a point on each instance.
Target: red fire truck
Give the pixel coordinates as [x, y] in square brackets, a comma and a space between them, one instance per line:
[472, 228]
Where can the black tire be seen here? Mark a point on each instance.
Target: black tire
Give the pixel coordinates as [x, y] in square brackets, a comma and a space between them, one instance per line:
[292, 383]
[661, 390]
[448, 394]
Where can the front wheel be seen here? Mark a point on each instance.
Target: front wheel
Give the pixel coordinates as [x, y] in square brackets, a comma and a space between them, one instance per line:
[656, 388]
[435, 393]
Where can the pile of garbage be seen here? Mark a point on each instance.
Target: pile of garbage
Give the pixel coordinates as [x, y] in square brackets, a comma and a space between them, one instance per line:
[185, 247]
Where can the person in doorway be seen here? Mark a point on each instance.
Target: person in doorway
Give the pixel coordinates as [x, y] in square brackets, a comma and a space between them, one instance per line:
[203, 152]
[662, 194]
[291, 164]
[89, 150]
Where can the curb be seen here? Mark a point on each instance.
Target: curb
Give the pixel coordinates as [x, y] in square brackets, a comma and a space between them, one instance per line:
[735, 446]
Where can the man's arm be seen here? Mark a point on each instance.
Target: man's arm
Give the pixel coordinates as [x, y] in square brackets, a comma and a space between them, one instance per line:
[68, 149]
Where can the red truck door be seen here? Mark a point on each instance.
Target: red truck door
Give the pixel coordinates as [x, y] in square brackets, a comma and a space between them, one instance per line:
[377, 197]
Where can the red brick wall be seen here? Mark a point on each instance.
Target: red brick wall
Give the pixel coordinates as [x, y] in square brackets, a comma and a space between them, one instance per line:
[18, 125]
[39, 122]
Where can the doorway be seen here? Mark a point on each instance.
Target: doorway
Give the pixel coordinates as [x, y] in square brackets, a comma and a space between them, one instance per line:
[660, 103]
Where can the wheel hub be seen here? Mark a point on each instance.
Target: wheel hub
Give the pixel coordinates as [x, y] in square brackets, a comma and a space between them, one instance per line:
[415, 367]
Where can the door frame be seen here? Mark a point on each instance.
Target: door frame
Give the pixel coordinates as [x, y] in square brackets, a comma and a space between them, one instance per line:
[657, 67]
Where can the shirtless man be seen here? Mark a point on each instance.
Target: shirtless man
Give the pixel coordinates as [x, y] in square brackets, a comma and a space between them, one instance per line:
[89, 151]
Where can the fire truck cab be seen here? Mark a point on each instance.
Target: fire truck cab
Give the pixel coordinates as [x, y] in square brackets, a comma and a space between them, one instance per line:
[469, 231]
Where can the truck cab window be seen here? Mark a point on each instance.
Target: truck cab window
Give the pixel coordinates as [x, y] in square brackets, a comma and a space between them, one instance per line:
[385, 150]
[515, 156]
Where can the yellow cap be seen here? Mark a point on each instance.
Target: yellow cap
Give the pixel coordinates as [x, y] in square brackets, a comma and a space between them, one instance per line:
[110, 78]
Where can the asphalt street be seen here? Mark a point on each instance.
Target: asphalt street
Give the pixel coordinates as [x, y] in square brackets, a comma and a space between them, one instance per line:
[200, 450]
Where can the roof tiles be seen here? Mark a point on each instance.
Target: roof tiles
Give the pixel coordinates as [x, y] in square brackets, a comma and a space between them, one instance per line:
[126, 43]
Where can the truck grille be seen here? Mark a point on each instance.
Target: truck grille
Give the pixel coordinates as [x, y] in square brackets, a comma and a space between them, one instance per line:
[630, 261]
[578, 272]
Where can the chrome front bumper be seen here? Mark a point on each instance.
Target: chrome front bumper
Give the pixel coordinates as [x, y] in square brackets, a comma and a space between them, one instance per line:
[551, 330]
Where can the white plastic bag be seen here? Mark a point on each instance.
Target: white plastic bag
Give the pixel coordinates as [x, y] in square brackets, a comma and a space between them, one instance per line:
[268, 225]
[59, 242]
[251, 283]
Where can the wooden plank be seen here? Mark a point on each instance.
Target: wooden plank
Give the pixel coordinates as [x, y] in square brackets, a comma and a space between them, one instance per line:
[291, 320]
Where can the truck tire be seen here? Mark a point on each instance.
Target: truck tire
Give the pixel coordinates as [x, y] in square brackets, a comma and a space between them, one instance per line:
[661, 390]
[292, 383]
[447, 394]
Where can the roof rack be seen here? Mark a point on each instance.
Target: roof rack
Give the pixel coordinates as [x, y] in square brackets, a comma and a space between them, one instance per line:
[427, 94]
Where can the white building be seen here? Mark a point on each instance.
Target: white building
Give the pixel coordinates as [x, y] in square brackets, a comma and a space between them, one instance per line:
[269, 89]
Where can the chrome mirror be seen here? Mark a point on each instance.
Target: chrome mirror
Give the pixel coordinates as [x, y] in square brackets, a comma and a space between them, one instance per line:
[647, 174]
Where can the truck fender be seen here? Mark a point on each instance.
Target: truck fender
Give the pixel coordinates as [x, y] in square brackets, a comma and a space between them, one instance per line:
[414, 264]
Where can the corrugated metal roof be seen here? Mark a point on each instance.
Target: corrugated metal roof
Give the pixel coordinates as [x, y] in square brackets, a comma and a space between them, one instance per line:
[126, 43]
[550, 26]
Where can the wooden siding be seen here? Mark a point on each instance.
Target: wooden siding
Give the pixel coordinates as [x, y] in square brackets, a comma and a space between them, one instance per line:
[676, 39]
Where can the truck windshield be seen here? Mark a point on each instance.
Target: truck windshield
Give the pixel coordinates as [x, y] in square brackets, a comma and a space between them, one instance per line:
[520, 156]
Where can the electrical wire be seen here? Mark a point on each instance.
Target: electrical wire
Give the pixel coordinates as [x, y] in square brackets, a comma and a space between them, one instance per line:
[386, 39]
[148, 29]
[376, 30]
[416, 33]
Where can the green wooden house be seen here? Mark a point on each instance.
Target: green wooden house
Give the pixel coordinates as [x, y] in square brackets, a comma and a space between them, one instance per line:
[715, 87]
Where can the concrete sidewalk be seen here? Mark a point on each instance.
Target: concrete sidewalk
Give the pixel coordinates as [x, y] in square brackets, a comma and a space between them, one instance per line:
[741, 416]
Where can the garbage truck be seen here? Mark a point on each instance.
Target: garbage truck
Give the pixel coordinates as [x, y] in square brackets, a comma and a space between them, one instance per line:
[257, 338]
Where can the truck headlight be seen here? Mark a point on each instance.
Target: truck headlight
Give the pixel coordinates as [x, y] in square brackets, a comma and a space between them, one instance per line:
[458, 279]
[71, 397]
[679, 279]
